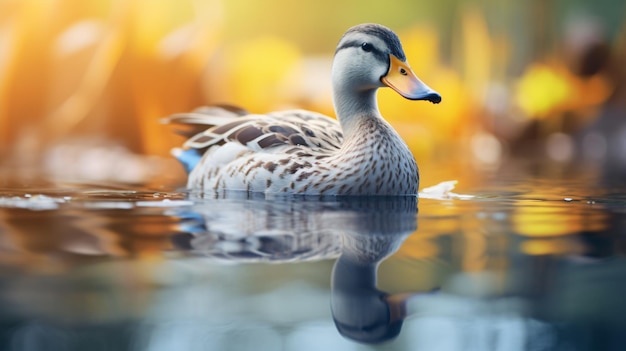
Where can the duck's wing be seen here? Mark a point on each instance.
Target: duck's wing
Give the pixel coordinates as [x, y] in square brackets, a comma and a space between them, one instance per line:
[217, 125]
[198, 120]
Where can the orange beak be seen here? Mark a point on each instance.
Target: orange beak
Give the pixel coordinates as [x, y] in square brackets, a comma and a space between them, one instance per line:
[400, 77]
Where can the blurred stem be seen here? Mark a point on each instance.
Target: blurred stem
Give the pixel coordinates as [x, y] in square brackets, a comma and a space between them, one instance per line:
[541, 27]
[78, 105]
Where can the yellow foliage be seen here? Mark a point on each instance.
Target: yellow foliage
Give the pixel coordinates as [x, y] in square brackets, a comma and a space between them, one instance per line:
[477, 52]
[543, 89]
[421, 46]
[251, 73]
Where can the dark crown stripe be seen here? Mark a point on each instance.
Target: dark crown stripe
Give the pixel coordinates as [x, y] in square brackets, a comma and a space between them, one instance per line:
[381, 56]
[382, 32]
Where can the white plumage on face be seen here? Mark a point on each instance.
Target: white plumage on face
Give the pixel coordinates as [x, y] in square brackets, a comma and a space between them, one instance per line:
[358, 63]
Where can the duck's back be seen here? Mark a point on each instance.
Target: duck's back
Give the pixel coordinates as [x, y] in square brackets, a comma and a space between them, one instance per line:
[297, 151]
[233, 149]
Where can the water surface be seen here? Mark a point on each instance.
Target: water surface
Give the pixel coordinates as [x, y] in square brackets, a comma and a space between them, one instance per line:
[530, 264]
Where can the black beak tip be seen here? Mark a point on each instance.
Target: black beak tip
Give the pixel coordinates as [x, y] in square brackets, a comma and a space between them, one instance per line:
[433, 97]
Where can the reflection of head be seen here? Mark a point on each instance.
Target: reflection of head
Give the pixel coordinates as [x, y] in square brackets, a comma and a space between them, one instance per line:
[362, 312]
[367, 319]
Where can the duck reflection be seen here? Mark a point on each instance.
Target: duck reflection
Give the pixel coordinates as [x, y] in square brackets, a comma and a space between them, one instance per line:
[361, 231]
[288, 229]
[360, 310]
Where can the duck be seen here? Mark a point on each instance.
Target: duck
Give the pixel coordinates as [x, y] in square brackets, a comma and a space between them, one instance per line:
[305, 152]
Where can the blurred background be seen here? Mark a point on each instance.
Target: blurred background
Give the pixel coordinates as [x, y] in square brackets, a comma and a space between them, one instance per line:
[84, 84]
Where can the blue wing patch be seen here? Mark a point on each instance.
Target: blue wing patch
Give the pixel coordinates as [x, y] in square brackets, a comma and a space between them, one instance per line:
[188, 158]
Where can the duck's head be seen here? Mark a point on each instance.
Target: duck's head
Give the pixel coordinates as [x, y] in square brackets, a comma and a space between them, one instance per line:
[370, 56]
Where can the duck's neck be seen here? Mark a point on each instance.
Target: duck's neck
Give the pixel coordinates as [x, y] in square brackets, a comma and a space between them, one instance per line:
[351, 106]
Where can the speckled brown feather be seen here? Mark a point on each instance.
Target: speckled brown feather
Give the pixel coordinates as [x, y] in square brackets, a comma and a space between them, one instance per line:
[305, 153]
[296, 127]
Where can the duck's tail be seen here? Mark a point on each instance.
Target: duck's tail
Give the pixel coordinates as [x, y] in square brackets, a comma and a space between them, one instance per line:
[195, 123]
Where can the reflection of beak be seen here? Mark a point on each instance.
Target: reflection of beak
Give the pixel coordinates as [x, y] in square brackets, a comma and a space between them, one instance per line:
[398, 309]
[401, 78]
[397, 306]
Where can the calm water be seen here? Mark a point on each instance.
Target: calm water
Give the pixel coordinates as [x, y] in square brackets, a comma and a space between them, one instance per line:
[524, 265]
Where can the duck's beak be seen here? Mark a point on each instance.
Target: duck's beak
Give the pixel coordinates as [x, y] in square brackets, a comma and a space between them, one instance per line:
[400, 77]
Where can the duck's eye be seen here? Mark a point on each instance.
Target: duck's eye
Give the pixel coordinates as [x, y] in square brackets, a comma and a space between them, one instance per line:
[403, 72]
[367, 47]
